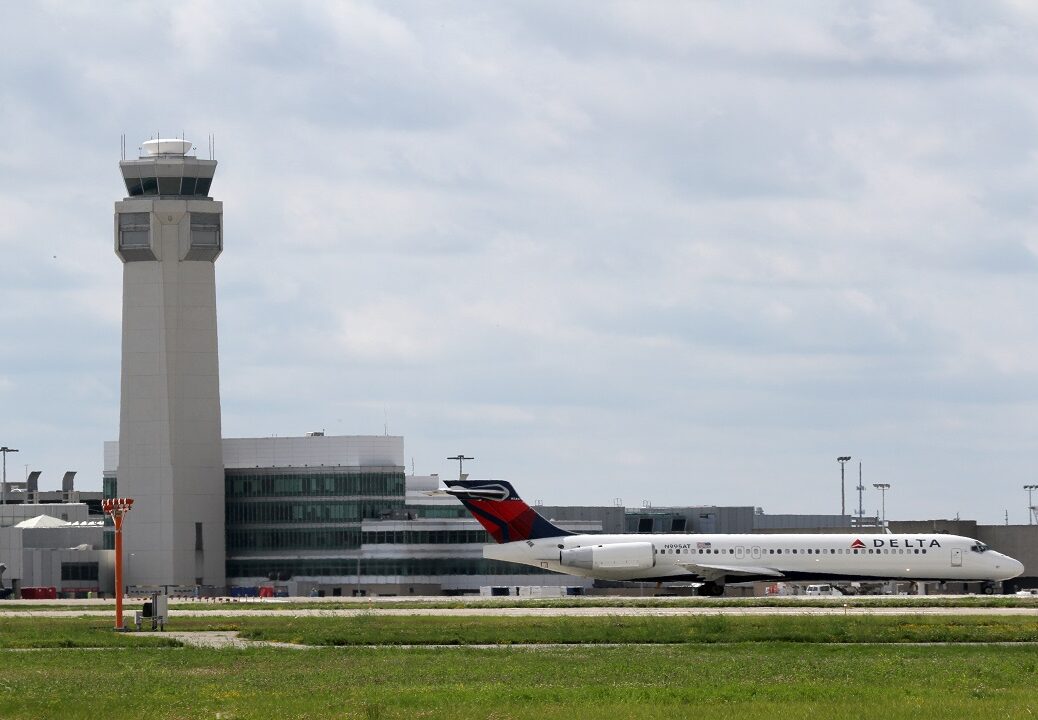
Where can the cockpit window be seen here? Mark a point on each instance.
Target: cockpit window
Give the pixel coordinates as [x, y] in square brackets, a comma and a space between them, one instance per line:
[979, 547]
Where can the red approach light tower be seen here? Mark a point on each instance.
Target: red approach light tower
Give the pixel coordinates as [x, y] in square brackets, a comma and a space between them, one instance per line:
[117, 508]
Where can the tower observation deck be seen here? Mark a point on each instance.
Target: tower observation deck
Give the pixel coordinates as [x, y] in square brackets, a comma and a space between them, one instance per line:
[165, 169]
[168, 234]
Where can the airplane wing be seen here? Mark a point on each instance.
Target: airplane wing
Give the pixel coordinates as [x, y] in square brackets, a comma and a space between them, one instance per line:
[714, 572]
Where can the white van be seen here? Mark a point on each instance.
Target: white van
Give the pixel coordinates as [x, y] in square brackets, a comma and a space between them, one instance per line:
[825, 590]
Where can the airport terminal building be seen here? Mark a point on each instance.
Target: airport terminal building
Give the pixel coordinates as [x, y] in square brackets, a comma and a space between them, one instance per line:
[53, 545]
[336, 515]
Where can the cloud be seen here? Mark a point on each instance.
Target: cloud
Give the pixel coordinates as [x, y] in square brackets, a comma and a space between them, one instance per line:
[696, 249]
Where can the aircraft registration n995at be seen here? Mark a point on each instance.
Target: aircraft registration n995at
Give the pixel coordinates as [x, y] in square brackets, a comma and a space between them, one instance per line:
[713, 559]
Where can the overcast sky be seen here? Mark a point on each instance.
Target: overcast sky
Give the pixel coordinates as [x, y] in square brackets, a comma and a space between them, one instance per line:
[683, 253]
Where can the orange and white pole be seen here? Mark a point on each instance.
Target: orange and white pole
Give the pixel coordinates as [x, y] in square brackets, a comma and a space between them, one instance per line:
[117, 507]
[118, 518]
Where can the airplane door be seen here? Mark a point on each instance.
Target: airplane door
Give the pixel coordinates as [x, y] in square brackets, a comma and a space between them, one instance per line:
[738, 552]
[956, 557]
[755, 553]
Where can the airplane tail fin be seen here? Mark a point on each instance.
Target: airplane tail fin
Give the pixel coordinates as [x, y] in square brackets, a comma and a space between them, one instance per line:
[497, 506]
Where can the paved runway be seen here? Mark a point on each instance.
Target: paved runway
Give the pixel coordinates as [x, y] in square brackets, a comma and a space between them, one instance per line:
[591, 611]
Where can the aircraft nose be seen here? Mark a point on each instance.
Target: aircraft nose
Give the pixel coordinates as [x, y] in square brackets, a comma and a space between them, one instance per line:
[1012, 567]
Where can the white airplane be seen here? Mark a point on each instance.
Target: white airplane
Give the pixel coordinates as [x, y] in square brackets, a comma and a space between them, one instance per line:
[526, 537]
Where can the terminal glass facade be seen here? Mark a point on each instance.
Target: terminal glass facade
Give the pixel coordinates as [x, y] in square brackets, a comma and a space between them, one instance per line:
[272, 515]
[290, 483]
[445, 512]
[295, 512]
[426, 537]
[293, 539]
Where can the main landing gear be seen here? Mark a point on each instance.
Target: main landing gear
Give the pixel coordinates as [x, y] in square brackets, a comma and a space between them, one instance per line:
[710, 589]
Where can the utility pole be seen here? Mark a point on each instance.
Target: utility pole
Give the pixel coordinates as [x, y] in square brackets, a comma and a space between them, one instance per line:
[3, 487]
[460, 457]
[843, 493]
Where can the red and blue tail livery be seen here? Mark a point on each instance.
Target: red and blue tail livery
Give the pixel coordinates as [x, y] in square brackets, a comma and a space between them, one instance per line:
[497, 506]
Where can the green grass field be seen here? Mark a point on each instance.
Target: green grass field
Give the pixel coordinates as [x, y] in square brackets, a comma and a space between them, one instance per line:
[758, 680]
[675, 667]
[422, 630]
[375, 629]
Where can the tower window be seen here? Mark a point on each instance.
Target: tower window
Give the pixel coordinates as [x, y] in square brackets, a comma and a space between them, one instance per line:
[169, 185]
[134, 186]
[205, 230]
[134, 230]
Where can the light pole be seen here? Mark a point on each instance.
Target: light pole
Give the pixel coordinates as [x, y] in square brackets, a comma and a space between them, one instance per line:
[1030, 504]
[117, 508]
[460, 457]
[843, 459]
[3, 487]
[883, 487]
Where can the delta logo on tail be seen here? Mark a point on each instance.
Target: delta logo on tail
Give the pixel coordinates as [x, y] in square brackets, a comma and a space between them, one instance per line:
[501, 511]
[857, 544]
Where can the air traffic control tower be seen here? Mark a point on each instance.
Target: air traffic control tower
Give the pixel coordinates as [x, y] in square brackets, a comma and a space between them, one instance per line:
[168, 234]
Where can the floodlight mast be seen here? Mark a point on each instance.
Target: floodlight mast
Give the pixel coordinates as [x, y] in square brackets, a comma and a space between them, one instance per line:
[3, 483]
[843, 459]
[883, 487]
[1032, 512]
[461, 458]
[861, 490]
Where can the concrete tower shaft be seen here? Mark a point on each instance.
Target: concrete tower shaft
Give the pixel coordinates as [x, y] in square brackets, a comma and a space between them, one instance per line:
[168, 234]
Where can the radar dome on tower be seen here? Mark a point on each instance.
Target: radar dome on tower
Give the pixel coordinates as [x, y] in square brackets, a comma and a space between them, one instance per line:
[165, 146]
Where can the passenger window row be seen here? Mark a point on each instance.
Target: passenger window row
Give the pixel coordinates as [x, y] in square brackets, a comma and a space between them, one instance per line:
[788, 551]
